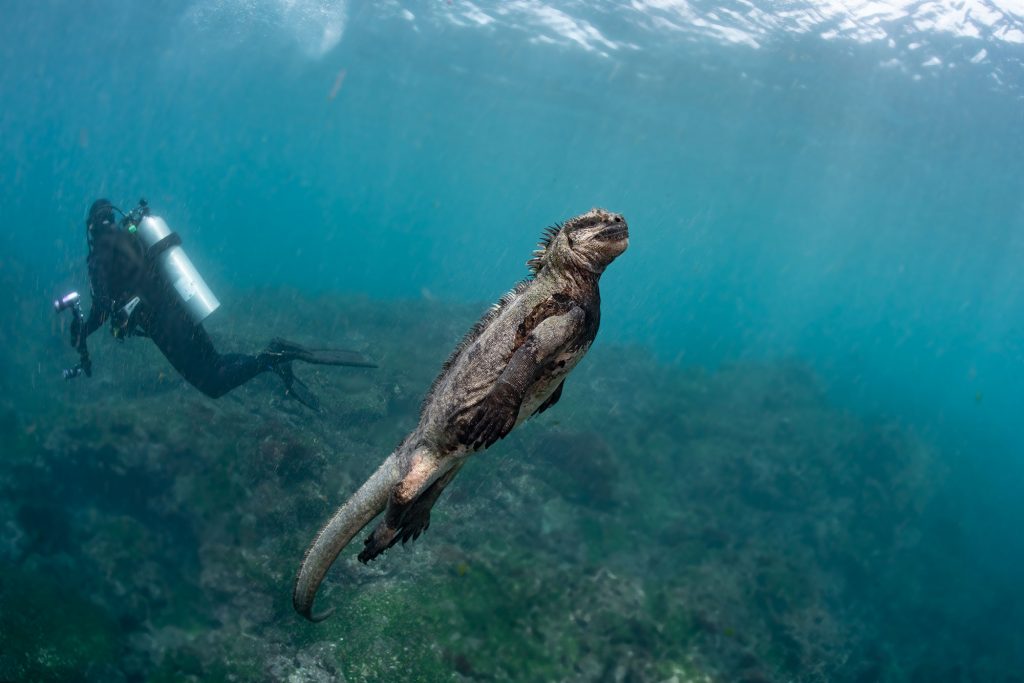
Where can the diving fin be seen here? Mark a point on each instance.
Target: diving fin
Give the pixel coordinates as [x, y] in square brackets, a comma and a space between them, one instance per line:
[296, 388]
[288, 351]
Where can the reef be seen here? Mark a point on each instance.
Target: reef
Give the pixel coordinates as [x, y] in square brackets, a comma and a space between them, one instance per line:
[663, 523]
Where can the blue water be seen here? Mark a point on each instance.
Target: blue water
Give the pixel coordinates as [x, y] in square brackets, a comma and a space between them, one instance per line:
[839, 185]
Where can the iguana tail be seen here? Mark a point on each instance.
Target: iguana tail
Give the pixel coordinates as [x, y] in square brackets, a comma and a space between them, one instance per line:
[365, 504]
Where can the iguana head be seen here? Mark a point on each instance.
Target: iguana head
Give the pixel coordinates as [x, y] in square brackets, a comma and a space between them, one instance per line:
[589, 242]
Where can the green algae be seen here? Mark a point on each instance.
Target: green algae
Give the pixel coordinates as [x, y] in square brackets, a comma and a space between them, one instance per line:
[687, 530]
[50, 633]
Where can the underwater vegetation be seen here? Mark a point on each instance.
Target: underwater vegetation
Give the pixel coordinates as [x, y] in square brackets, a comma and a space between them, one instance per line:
[663, 524]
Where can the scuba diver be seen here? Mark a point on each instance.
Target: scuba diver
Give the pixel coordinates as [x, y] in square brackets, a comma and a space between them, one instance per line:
[145, 285]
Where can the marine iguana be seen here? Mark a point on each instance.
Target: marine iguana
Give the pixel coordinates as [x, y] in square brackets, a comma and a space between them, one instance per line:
[510, 366]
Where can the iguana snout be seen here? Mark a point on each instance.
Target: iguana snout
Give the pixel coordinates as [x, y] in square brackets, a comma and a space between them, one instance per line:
[589, 241]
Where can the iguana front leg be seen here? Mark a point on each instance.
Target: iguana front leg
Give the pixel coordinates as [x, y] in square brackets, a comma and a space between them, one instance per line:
[550, 400]
[497, 413]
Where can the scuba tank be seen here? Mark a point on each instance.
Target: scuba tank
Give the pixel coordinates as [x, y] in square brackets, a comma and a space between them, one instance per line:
[163, 249]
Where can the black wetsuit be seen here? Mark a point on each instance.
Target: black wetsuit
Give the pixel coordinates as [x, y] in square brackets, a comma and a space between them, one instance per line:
[119, 271]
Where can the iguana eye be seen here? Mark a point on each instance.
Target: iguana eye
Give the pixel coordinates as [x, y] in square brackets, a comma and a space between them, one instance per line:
[588, 222]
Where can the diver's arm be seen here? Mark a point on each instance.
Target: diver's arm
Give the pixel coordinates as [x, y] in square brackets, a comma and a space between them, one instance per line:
[99, 311]
[102, 263]
[98, 314]
[79, 332]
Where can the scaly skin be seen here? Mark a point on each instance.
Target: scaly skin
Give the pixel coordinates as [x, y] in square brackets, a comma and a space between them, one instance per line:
[510, 366]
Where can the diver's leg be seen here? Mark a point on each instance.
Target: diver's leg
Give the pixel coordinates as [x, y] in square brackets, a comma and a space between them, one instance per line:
[286, 350]
[189, 349]
[230, 370]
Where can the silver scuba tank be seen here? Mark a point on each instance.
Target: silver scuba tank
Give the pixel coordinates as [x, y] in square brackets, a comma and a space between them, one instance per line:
[175, 265]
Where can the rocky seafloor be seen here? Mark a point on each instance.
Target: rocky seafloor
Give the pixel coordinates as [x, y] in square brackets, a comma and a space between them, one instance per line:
[660, 524]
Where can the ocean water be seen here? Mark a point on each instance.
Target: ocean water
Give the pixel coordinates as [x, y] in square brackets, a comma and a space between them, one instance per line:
[795, 452]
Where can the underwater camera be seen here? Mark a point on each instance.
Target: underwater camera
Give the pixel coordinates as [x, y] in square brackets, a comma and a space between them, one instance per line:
[73, 301]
